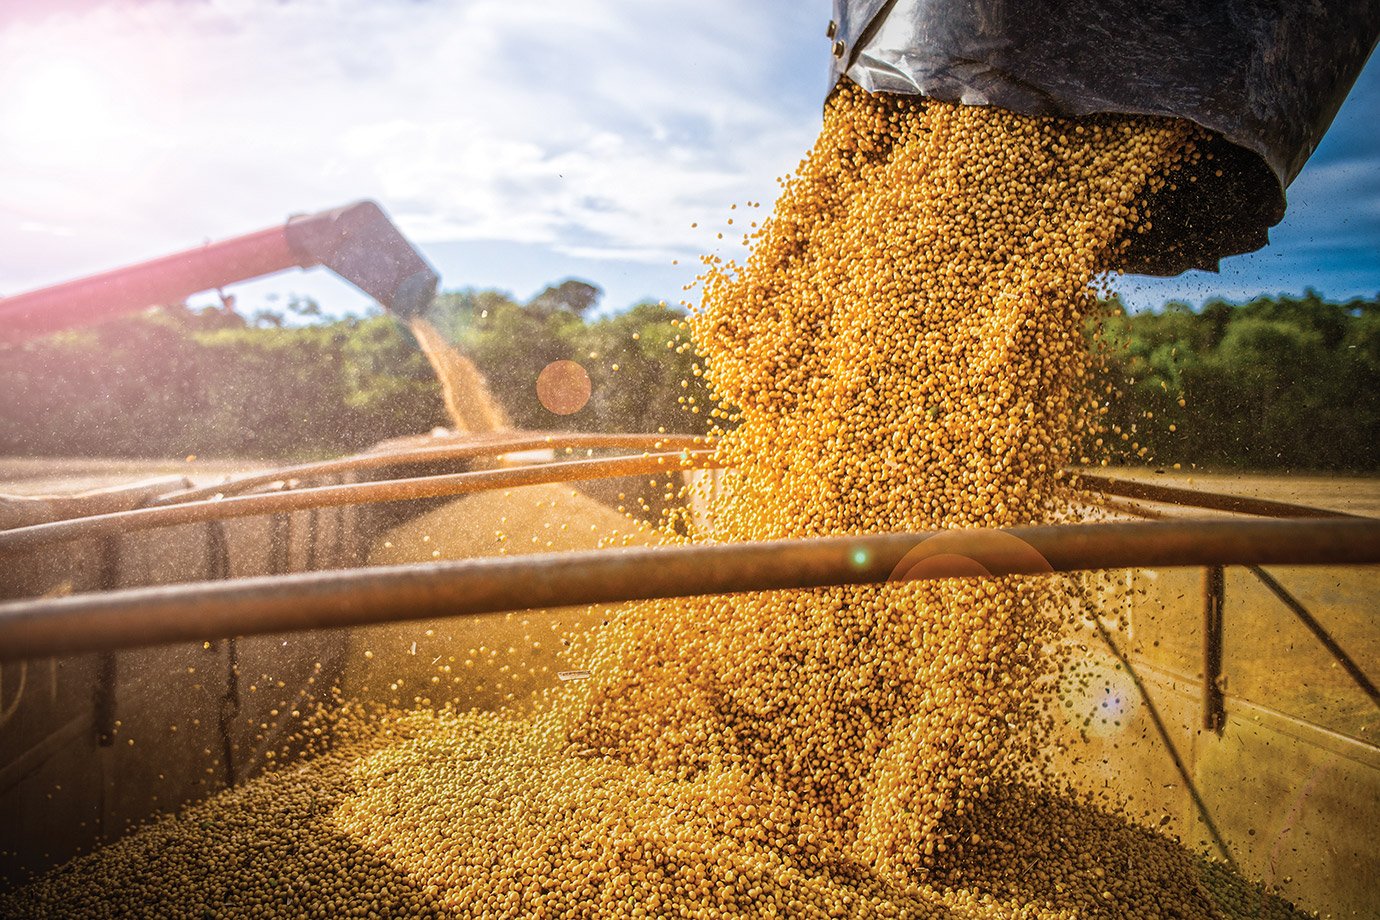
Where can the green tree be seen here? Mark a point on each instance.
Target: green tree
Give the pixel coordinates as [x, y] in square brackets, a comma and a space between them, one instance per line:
[645, 393]
[1277, 382]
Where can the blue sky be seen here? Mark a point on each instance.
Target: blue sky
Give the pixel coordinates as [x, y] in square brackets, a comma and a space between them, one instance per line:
[517, 141]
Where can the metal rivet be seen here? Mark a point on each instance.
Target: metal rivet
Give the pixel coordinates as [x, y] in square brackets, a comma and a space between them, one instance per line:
[838, 49]
[832, 30]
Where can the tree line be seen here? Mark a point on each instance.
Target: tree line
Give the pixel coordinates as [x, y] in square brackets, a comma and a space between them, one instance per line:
[1273, 383]
[293, 384]
[1287, 383]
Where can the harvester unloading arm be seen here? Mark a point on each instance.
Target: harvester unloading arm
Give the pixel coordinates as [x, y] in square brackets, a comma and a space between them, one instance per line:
[358, 242]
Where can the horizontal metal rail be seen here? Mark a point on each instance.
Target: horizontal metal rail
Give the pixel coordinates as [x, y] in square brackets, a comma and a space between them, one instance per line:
[218, 503]
[319, 600]
[1213, 695]
[465, 450]
[1212, 501]
[24, 510]
[519, 441]
[23, 539]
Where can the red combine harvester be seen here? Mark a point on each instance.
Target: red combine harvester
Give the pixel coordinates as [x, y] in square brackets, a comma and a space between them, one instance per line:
[358, 242]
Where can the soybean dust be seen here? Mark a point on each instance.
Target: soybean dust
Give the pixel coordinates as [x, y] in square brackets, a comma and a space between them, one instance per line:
[902, 349]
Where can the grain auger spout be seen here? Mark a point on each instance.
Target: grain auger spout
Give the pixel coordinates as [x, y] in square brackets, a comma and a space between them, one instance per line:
[358, 242]
[1265, 79]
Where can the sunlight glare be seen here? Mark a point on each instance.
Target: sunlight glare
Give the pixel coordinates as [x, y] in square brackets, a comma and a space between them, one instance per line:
[59, 110]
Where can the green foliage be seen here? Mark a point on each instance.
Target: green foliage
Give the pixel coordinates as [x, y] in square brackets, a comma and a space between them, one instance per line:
[176, 381]
[511, 344]
[1274, 383]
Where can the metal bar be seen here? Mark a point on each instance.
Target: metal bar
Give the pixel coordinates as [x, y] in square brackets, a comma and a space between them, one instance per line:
[22, 510]
[280, 544]
[1214, 603]
[313, 533]
[517, 441]
[170, 279]
[338, 548]
[1214, 501]
[1317, 629]
[1133, 509]
[103, 700]
[218, 567]
[1163, 731]
[229, 708]
[217, 551]
[317, 600]
[22, 539]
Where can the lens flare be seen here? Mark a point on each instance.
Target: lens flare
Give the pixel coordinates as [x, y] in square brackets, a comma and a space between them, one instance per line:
[563, 387]
[1099, 698]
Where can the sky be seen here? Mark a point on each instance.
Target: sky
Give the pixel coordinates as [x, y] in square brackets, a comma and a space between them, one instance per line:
[517, 142]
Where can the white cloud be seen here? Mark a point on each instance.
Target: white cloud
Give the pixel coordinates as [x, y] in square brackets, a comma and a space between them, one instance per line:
[587, 125]
[643, 255]
[597, 130]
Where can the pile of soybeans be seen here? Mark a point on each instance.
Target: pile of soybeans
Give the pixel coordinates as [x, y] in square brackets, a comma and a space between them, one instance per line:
[902, 350]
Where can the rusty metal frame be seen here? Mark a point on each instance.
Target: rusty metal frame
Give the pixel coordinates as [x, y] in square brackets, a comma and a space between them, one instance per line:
[497, 445]
[1115, 497]
[22, 539]
[1214, 605]
[1124, 496]
[1196, 498]
[22, 510]
[144, 616]
[103, 700]
[1214, 597]
[220, 502]
[469, 448]
[1320, 633]
[472, 448]
[315, 600]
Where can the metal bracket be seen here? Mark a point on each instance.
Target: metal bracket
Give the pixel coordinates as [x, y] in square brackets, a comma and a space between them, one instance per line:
[1214, 600]
[103, 702]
